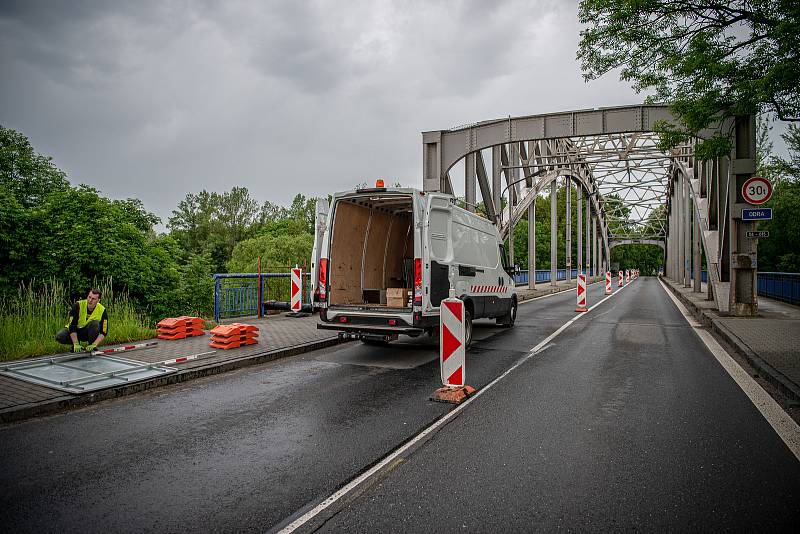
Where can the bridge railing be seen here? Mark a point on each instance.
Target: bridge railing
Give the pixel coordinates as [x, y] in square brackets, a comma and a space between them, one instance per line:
[780, 286]
[236, 294]
[542, 275]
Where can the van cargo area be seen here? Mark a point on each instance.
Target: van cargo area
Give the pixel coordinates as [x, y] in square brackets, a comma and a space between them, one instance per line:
[371, 256]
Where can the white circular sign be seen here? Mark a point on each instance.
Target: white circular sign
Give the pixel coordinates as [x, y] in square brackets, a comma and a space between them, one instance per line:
[757, 190]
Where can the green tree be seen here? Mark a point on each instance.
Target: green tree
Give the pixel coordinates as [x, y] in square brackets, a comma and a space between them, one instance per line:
[195, 293]
[278, 252]
[29, 176]
[707, 59]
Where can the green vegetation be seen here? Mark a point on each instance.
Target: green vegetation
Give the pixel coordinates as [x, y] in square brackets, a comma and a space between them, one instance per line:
[71, 236]
[30, 318]
[709, 60]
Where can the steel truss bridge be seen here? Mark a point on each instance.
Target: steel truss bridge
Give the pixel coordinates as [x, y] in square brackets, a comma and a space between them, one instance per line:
[626, 190]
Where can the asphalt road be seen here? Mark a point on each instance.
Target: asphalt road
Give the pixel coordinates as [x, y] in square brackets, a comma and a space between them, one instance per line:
[625, 422]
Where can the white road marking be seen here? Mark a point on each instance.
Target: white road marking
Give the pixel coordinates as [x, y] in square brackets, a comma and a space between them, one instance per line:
[780, 421]
[353, 484]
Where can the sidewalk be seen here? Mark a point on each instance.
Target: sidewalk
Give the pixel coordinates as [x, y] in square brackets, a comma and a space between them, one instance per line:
[770, 342]
[280, 336]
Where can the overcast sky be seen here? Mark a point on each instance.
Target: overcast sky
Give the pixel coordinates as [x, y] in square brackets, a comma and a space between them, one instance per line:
[154, 100]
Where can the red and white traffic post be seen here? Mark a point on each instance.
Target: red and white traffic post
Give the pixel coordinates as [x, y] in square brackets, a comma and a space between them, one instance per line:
[619, 283]
[608, 282]
[627, 277]
[297, 293]
[452, 352]
[581, 294]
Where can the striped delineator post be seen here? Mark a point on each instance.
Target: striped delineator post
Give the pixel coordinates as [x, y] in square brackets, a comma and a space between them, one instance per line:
[581, 307]
[627, 277]
[452, 363]
[608, 282]
[296, 302]
[619, 284]
[451, 345]
[147, 345]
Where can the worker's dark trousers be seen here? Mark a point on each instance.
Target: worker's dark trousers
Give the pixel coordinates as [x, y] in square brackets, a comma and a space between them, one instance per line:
[88, 333]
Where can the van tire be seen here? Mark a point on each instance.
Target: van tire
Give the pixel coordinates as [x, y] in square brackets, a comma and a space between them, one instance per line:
[467, 329]
[510, 318]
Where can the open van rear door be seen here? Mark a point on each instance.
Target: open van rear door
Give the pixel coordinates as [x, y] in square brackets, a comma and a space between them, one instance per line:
[318, 290]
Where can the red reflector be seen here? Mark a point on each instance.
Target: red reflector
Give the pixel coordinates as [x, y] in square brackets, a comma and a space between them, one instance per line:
[417, 273]
[323, 277]
[392, 322]
[342, 319]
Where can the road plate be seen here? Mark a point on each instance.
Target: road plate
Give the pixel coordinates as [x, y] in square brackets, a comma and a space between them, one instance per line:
[762, 233]
[756, 214]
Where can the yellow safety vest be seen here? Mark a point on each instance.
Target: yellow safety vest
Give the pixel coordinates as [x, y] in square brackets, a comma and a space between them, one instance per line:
[97, 313]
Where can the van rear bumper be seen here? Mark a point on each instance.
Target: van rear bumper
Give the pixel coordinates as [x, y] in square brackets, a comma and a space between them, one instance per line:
[371, 330]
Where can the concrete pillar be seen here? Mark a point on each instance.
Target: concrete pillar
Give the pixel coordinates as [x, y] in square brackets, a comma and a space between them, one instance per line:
[470, 178]
[554, 233]
[532, 245]
[696, 256]
[579, 209]
[588, 259]
[595, 262]
[568, 227]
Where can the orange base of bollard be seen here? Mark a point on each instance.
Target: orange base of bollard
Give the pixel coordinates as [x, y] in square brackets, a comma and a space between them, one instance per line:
[453, 395]
[581, 309]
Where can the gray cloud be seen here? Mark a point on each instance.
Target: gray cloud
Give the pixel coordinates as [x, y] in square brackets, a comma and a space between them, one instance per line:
[154, 100]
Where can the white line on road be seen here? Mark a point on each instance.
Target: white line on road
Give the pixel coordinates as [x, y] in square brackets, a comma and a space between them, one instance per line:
[353, 484]
[784, 425]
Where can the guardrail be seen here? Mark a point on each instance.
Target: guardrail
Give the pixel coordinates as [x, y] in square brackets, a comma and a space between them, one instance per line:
[542, 275]
[779, 286]
[236, 294]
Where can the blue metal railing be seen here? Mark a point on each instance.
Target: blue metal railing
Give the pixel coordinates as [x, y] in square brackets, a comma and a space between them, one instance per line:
[236, 294]
[542, 275]
[779, 286]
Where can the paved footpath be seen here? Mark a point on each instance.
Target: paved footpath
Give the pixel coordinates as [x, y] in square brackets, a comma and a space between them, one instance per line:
[280, 336]
[769, 342]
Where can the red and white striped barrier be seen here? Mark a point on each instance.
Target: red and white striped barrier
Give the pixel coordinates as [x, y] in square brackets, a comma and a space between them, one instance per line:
[581, 294]
[627, 277]
[451, 346]
[186, 358]
[297, 293]
[608, 282]
[619, 283]
[148, 345]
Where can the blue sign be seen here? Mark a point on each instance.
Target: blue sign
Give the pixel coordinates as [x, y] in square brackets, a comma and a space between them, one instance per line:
[756, 214]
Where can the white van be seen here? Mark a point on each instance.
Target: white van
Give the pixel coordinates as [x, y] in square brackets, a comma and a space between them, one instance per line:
[384, 258]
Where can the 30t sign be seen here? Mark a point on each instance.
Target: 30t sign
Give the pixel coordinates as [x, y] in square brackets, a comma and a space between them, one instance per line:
[757, 190]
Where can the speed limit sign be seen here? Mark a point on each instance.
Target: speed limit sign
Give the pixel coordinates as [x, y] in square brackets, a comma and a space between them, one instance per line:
[757, 190]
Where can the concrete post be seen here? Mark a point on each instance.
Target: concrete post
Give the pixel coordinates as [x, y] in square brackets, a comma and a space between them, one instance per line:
[568, 227]
[554, 233]
[579, 209]
[532, 245]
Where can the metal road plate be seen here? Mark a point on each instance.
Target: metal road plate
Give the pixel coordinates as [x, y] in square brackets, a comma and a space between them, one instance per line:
[80, 374]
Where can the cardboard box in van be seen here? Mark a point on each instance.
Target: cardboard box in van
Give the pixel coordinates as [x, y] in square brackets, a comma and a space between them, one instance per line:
[396, 297]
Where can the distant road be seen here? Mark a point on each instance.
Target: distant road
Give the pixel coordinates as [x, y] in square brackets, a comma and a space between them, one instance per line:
[625, 422]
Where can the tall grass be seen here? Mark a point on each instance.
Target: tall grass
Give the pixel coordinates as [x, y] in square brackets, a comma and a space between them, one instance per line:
[30, 319]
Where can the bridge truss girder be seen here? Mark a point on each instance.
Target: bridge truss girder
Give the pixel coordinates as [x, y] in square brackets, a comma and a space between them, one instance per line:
[611, 156]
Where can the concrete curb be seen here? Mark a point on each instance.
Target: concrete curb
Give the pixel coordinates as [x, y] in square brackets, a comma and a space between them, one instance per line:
[723, 333]
[68, 402]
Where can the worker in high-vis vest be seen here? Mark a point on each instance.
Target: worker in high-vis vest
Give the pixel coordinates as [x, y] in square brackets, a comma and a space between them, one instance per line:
[88, 323]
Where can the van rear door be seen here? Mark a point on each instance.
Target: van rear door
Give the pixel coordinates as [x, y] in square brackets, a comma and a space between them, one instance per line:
[319, 257]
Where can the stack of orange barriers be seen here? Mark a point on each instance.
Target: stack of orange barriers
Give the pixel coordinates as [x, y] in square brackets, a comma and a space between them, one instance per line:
[180, 327]
[234, 335]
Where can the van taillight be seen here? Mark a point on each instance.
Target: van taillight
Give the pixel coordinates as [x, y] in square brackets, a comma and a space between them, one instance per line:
[323, 278]
[417, 282]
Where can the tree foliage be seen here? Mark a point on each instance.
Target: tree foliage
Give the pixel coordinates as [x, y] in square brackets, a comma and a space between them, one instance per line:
[708, 59]
[26, 174]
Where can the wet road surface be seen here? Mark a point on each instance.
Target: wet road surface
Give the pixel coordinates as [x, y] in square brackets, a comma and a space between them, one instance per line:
[625, 420]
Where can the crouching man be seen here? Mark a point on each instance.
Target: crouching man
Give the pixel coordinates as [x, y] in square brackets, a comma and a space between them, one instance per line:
[88, 323]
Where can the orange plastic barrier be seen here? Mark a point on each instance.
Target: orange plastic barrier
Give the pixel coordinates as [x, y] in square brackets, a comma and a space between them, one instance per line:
[180, 327]
[234, 335]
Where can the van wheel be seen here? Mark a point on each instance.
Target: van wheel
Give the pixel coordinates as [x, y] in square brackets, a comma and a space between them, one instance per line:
[508, 319]
[467, 329]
